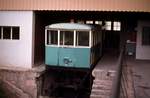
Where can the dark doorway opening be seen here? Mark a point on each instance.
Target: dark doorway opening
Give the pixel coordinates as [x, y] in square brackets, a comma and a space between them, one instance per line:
[44, 18]
[111, 41]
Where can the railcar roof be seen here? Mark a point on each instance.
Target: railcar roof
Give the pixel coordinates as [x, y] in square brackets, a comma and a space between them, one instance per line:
[70, 26]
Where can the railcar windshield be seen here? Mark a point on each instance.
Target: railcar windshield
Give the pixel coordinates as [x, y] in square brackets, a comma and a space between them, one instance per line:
[82, 38]
[67, 38]
[68, 34]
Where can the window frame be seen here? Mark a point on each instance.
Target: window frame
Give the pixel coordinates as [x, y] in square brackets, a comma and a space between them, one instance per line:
[78, 35]
[147, 43]
[98, 22]
[116, 26]
[10, 33]
[112, 25]
[74, 39]
[89, 22]
[64, 39]
[15, 32]
[108, 26]
[49, 35]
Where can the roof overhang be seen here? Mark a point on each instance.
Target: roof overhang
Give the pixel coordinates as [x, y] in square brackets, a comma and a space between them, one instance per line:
[77, 5]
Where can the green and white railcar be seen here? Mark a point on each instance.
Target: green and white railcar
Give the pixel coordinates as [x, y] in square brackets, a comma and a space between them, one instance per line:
[72, 45]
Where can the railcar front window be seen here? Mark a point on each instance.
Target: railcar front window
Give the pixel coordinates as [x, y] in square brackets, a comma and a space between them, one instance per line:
[66, 37]
[52, 37]
[82, 38]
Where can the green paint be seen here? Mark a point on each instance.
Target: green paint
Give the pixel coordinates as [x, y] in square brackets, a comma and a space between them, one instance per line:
[51, 55]
[68, 57]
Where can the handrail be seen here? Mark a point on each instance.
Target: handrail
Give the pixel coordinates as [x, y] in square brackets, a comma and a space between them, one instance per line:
[117, 79]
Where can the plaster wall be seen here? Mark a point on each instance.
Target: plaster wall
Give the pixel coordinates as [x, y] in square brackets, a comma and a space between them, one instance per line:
[17, 53]
[142, 51]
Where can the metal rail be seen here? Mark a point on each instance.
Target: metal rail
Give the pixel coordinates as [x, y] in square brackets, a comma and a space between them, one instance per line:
[117, 79]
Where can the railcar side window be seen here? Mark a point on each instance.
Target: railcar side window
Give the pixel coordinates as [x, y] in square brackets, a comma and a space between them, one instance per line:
[52, 37]
[66, 37]
[82, 38]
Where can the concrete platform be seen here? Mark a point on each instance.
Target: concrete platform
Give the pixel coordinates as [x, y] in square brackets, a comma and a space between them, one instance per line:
[107, 62]
[141, 76]
[103, 74]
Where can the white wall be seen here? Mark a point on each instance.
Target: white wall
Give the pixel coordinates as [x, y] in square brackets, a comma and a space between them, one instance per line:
[142, 52]
[17, 52]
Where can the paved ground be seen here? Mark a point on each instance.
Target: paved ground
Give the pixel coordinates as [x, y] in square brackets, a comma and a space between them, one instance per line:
[108, 61]
[140, 69]
[141, 76]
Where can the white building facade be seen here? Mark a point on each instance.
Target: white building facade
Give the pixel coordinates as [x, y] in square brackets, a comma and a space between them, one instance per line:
[19, 52]
[16, 49]
[143, 47]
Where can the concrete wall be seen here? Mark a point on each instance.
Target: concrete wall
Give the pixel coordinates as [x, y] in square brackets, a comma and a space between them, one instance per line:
[17, 52]
[21, 82]
[142, 52]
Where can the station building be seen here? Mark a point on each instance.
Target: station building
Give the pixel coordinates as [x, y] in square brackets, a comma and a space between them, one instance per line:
[22, 27]
[24, 22]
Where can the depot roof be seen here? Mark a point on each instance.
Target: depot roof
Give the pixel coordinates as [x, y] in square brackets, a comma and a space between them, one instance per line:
[76, 5]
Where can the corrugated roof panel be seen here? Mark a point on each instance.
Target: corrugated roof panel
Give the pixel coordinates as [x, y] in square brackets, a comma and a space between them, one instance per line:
[78, 5]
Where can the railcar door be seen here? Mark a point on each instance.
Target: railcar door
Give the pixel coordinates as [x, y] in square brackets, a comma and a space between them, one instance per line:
[66, 50]
[74, 49]
[51, 56]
